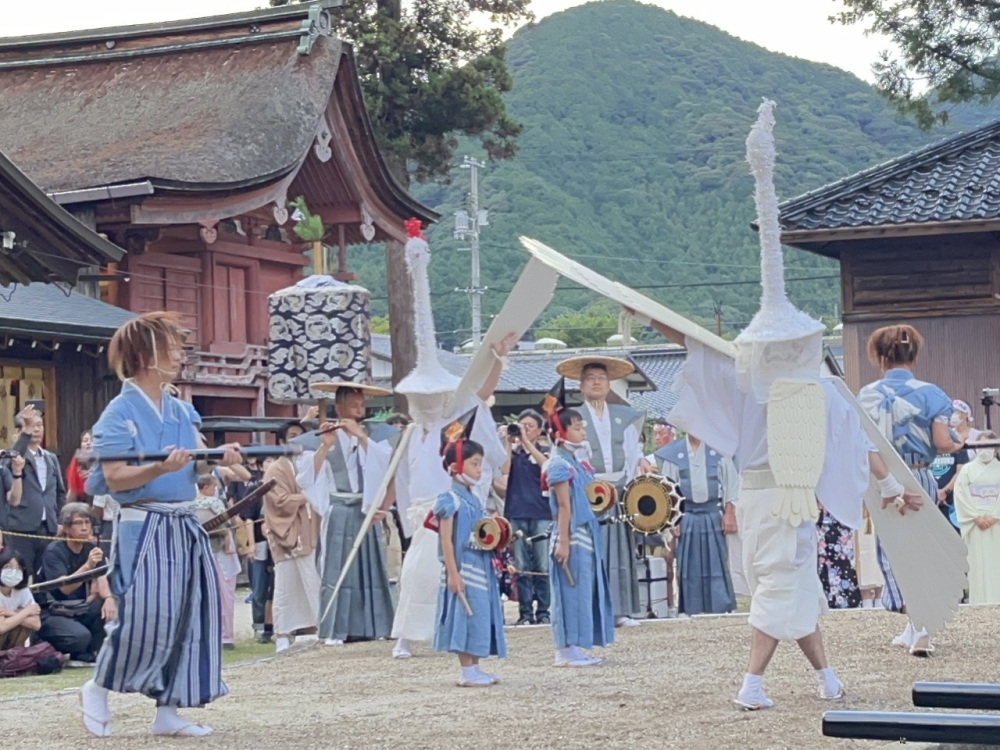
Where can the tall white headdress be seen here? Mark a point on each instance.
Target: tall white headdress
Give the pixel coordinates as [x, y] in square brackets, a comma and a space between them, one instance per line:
[781, 340]
[428, 377]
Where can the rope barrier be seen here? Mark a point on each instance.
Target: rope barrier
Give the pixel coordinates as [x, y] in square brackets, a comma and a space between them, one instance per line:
[52, 537]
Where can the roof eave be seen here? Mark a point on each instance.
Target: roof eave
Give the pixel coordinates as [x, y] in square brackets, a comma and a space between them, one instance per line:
[281, 13]
[805, 237]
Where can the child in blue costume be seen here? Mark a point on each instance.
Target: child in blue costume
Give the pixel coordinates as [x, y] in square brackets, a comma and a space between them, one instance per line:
[582, 615]
[468, 577]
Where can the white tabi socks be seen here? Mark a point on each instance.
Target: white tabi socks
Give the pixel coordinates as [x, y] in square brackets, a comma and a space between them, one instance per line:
[94, 706]
[751, 695]
[830, 688]
[170, 724]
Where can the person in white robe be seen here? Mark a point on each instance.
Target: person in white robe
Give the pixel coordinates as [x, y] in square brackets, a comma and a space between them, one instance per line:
[977, 506]
[794, 440]
[421, 477]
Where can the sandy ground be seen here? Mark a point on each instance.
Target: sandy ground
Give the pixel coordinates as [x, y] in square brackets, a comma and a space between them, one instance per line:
[666, 684]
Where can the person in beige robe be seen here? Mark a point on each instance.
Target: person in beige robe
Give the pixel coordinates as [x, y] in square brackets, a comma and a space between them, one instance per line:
[977, 505]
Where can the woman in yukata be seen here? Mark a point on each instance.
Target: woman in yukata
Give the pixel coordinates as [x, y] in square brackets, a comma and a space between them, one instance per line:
[582, 614]
[469, 613]
[914, 416]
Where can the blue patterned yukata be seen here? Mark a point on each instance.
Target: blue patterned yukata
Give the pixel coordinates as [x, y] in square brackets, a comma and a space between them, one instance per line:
[454, 630]
[582, 614]
[906, 409]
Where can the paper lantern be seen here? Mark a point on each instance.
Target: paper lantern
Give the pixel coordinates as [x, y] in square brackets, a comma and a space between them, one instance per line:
[318, 333]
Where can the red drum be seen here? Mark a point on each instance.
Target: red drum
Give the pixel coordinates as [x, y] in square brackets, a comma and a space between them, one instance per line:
[602, 495]
[492, 534]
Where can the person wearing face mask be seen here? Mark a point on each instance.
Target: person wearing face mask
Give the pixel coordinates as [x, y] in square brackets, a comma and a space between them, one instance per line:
[946, 466]
[20, 616]
[469, 619]
[616, 454]
[582, 610]
[977, 505]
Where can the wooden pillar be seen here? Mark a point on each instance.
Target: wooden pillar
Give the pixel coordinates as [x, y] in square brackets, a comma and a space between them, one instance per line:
[400, 290]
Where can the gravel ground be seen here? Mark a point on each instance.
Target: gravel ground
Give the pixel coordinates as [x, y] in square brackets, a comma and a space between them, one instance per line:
[666, 684]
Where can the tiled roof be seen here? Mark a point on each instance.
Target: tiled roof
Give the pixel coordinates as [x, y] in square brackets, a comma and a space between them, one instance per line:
[49, 243]
[955, 180]
[44, 311]
[534, 372]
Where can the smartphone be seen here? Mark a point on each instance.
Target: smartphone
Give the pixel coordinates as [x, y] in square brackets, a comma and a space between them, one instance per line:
[39, 405]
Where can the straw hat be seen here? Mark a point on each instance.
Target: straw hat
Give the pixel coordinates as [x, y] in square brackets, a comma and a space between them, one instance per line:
[616, 367]
[334, 386]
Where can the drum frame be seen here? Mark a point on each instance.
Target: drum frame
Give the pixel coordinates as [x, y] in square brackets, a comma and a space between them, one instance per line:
[633, 516]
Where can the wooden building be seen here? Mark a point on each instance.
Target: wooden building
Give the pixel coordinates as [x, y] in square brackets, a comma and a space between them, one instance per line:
[52, 339]
[917, 240]
[183, 143]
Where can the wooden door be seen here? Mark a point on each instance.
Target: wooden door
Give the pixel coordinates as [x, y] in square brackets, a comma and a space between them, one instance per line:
[161, 287]
[230, 304]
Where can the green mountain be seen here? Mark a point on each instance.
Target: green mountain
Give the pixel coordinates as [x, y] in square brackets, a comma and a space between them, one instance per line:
[633, 161]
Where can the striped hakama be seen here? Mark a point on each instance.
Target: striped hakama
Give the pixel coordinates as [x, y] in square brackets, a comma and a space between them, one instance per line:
[166, 642]
[702, 562]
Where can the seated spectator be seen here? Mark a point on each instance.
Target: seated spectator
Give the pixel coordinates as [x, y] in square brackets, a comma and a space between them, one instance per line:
[73, 619]
[19, 615]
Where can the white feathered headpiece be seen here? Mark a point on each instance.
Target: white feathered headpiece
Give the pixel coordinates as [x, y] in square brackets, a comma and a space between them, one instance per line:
[428, 377]
[781, 340]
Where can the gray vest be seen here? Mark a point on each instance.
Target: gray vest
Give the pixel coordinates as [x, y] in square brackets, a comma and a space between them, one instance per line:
[621, 418]
[676, 453]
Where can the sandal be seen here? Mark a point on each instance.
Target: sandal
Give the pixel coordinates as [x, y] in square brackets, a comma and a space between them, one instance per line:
[185, 731]
[92, 724]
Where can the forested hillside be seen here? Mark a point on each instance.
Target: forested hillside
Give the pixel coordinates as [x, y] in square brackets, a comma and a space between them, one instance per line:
[633, 161]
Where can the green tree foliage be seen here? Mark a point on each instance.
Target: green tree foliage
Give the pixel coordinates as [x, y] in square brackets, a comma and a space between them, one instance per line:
[379, 324]
[588, 327]
[950, 48]
[431, 71]
[633, 161]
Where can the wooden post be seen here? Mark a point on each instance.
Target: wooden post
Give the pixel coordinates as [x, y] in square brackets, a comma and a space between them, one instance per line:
[400, 290]
[318, 258]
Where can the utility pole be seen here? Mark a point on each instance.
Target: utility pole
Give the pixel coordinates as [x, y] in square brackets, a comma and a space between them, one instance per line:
[467, 224]
[718, 318]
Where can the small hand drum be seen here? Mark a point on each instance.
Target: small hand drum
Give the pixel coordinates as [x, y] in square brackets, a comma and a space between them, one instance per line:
[492, 534]
[602, 495]
[651, 504]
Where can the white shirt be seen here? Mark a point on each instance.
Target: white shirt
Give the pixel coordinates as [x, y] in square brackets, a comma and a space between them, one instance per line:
[18, 598]
[353, 452]
[699, 472]
[42, 469]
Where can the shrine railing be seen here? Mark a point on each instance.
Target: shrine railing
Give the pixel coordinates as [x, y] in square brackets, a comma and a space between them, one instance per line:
[247, 368]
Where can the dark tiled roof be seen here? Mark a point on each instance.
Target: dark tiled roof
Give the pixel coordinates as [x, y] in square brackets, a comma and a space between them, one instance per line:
[49, 242]
[955, 180]
[216, 104]
[534, 372]
[46, 312]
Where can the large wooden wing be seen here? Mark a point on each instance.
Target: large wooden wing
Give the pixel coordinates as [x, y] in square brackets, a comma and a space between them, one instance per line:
[526, 301]
[640, 304]
[929, 560]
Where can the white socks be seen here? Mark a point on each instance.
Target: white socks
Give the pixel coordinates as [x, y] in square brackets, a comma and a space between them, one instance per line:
[96, 713]
[470, 673]
[168, 722]
[752, 682]
[829, 686]
[751, 695]
[867, 604]
[281, 643]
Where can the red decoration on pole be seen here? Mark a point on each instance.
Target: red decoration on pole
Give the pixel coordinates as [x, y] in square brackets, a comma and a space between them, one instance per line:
[414, 228]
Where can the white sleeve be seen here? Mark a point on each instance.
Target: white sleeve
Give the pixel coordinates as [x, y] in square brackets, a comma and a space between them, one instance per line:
[709, 399]
[633, 451]
[845, 477]
[315, 487]
[730, 481]
[374, 464]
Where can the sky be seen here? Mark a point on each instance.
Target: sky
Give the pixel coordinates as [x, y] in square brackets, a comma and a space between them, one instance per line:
[794, 27]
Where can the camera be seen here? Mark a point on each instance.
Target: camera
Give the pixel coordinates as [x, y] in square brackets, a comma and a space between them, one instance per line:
[513, 430]
[993, 393]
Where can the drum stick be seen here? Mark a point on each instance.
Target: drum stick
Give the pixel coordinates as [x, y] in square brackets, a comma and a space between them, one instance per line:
[465, 602]
[569, 576]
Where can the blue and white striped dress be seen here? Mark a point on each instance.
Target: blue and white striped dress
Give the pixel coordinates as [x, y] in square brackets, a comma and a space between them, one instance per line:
[582, 614]
[909, 408]
[454, 630]
[166, 642]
